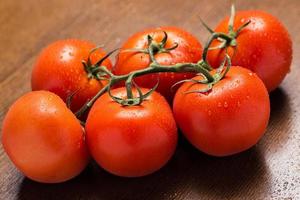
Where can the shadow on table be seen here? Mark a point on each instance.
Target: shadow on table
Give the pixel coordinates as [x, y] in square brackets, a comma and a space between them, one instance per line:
[190, 174]
[280, 120]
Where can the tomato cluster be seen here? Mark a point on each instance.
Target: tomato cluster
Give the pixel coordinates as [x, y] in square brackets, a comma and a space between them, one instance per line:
[130, 131]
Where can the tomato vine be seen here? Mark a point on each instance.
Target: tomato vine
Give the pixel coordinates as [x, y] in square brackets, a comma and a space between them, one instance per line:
[202, 67]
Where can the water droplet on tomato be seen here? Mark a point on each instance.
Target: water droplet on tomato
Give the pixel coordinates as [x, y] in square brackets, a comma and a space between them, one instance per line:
[225, 104]
[237, 82]
[239, 104]
[219, 104]
[209, 112]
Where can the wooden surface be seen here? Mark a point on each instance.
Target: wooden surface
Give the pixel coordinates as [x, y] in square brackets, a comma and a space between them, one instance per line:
[270, 170]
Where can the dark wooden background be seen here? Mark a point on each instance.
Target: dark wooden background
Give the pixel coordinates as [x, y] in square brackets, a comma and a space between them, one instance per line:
[270, 170]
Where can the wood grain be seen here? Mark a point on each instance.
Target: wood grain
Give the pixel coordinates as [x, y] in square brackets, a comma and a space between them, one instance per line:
[270, 170]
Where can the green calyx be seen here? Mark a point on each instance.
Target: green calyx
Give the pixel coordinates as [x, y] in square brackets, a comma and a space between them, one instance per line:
[155, 48]
[92, 70]
[226, 39]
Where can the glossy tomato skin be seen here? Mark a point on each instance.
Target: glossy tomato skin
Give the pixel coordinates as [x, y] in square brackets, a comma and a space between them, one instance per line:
[229, 119]
[189, 50]
[59, 69]
[264, 47]
[131, 141]
[44, 139]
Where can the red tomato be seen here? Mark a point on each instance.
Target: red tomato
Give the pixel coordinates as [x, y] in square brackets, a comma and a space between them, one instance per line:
[227, 120]
[264, 47]
[131, 141]
[59, 69]
[189, 50]
[43, 138]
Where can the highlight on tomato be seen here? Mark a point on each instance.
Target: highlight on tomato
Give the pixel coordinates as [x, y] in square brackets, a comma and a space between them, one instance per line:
[68, 67]
[131, 141]
[173, 45]
[263, 46]
[43, 138]
[228, 119]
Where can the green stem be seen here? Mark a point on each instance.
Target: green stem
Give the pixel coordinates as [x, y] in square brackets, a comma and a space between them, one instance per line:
[231, 20]
[128, 85]
[214, 36]
[152, 49]
[89, 104]
[155, 68]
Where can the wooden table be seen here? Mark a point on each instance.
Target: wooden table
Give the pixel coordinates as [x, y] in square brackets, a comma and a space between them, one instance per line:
[270, 170]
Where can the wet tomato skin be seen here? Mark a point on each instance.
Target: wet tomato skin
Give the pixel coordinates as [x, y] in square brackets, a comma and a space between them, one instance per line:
[229, 119]
[131, 141]
[44, 139]
[59, 69]
[264, 47]
[189, 50]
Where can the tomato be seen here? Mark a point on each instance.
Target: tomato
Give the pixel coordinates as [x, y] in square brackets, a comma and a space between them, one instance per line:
[43, 138]
[264, 47]
[131, 141]
[227, 120]
[59, 69]
[189, 50]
